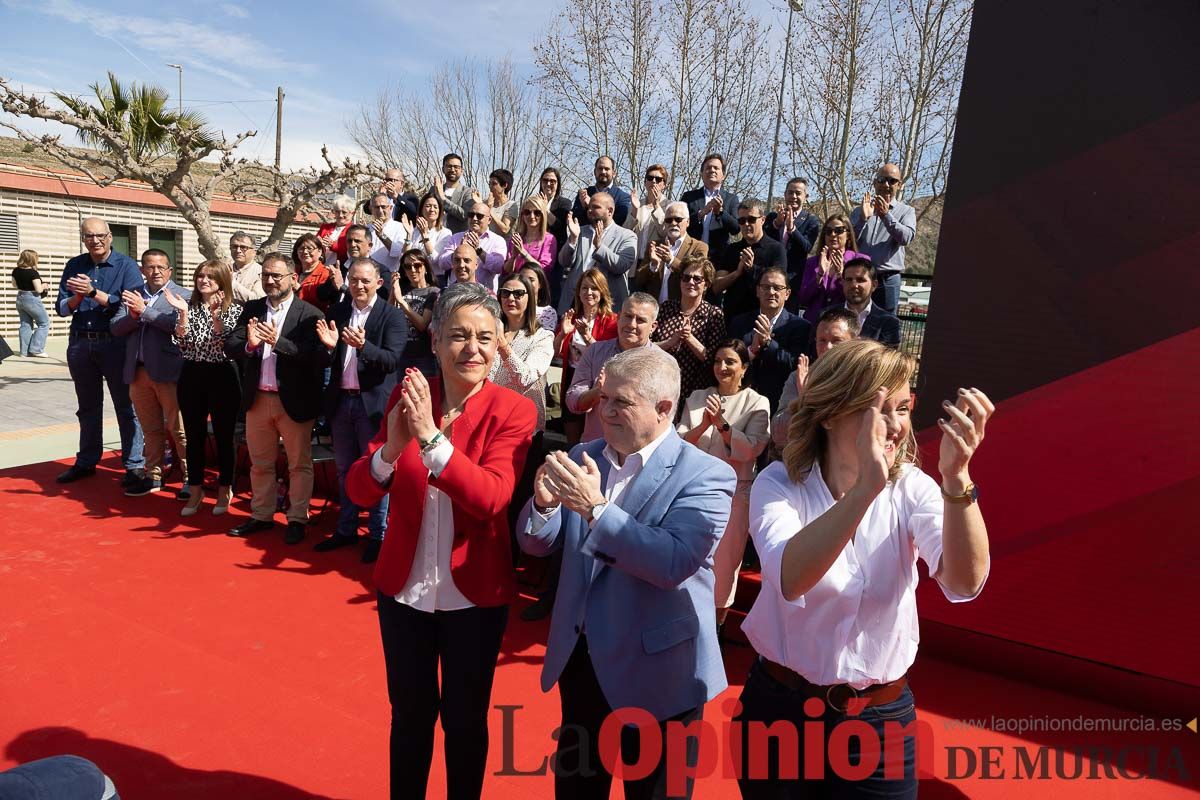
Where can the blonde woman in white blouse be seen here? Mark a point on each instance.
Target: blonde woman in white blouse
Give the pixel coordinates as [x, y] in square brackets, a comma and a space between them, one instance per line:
[839, 524]
[733, 423]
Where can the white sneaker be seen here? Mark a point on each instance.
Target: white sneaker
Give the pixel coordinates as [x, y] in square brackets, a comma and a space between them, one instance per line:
[37, 355]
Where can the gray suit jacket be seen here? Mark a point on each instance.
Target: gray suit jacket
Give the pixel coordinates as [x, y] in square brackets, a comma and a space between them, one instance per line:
[616, 257]
[151, 335]
[456, 207]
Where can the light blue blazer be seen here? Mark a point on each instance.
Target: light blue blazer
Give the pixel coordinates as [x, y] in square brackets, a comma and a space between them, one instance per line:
[639, 584]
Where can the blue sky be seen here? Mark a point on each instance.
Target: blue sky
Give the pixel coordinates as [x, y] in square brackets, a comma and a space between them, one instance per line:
[331, 58]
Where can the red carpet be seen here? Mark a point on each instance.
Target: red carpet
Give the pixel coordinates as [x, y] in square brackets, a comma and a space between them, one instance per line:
[191, 665]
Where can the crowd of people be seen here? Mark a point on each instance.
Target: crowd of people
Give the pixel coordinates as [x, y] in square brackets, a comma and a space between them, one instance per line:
[729, 373]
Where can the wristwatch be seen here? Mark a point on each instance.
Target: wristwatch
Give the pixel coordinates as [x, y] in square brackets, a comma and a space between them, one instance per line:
[725, 427]
[970, 495]
[92, 293]
[595, 509]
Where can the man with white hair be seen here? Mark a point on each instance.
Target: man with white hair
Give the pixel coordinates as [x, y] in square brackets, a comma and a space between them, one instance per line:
[658, 272]
[637, 515]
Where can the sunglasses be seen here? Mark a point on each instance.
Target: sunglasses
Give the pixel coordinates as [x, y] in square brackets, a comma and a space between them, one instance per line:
[655, 179]
[691, 279]
[748, 220]
[533, 212]
[838, 231]
[672, 219]
[888, 181]
[515, 294]
[475, 215]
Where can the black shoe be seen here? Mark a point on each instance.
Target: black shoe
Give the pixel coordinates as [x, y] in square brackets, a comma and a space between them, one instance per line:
[539, 610]
[184, 492]
[295, 533]
[371, 551]
[334, 542]
[74, 473]
[251, 526]
[132, 477]
[143, 487]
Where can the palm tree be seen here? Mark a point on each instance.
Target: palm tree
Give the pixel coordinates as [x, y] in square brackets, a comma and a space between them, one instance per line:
[148, 127]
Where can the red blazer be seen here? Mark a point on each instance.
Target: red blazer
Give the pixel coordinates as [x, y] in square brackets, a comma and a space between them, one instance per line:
[339, 244]
[603, 327]
[491, 438]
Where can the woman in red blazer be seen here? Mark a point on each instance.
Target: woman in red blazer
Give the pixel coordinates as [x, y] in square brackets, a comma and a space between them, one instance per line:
[448, 454]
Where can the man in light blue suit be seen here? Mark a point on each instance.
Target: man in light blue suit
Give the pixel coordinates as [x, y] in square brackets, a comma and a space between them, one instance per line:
[638, 515]
[152, 366]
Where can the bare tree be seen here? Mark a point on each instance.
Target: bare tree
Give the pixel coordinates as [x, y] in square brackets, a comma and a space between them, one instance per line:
[135, 137]
[482, 112]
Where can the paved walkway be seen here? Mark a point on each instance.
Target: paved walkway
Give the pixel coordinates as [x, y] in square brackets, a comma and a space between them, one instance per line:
[37, 410]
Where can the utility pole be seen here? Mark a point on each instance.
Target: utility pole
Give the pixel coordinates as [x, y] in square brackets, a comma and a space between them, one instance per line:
[278, 123]
[179, 68]
[793, 7]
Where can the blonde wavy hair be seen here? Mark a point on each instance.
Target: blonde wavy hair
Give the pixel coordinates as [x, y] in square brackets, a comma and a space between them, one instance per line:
[844, 381]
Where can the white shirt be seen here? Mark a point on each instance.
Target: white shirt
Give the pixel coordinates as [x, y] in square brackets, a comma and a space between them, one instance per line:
[358, 319]
[665, 286]
[266, 375]
[862, 315]
[858, 624]
[388, 257]
[709, 194]
[430, 586]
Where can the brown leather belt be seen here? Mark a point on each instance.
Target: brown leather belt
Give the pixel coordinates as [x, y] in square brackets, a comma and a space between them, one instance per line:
[839, 695]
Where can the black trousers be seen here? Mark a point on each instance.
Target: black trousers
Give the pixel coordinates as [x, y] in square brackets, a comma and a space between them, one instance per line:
[466, 643]
[579, 772]
[209, 389]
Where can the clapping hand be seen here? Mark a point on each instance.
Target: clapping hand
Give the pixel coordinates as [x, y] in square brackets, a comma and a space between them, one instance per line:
[422, 225]
[881, 205]
[868, 206]
[745, 260]
[327, 333]
[542, 496]
[584, 197]
[336, 277]
[762, 331]
[398, 434]
[962, 432]
[634, 203]
[134, 302]
[712, 410]
[598, 234]
[568, 323]
[178, 303]
[801, 373]
[576, 486]
[418, 405]
[471, 240]
[572, 228]
[80, 285]
[267, 334]
[354, 337]
[872, 441]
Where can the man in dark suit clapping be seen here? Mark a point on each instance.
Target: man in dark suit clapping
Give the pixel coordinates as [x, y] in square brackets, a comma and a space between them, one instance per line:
[372, 336]
[775, 336]
[283, 345]
[712, 209]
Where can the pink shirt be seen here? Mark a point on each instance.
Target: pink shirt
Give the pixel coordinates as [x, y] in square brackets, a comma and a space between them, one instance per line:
[544, 251]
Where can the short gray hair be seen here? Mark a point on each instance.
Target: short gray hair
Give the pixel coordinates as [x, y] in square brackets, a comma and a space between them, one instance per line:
[343, 203]
[683, 210]
[642, 299]
[462, 295]
[244, 236]
[653, 373]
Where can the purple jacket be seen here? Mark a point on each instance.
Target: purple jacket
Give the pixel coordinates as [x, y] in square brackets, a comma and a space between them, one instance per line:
[817, 292]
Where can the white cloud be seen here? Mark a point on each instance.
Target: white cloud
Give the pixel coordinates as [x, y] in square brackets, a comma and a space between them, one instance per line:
[234, 11]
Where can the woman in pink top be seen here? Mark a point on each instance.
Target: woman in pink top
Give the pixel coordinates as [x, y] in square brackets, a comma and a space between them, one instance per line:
[530, 241]
[819, 284]
[839, 524]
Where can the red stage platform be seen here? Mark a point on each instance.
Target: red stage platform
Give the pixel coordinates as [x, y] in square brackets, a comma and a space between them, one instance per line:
[191, 665]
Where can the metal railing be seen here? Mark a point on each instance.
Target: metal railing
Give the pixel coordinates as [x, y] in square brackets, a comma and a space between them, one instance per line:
[912, 311]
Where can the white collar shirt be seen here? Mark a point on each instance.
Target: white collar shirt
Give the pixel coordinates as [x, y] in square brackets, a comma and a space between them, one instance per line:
[862, 315]
[858, 624]
[358, 319]
[388, 257]
[267, 380]
[709, 219]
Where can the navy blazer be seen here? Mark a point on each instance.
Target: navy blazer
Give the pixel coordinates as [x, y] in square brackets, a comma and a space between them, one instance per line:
[718, 237]
[789, 340]
[386, 332]
[300, 362]
[621, 205]
[152, 333]
[639, 581]
[879, 325]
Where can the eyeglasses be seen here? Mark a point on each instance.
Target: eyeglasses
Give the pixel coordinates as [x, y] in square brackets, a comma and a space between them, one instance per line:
[887, 181]
[655, 179]
[275, 277]
[549, 179]
[309, 249]
[96, 237]
[476, 215]
[156, 267]
[748, 220]
[672, 219]
[515, 294]
[691, 279]
[838, 231]
[773, 288]
[237, 248]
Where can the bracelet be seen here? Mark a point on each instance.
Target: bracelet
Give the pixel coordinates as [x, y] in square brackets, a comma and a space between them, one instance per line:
[433, 442]
[545, 512]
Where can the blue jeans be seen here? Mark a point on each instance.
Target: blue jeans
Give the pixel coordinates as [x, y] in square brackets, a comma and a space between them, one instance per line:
[351, 430]
[887, 293]
[35, 323]
[94, 362]
[767, 701]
